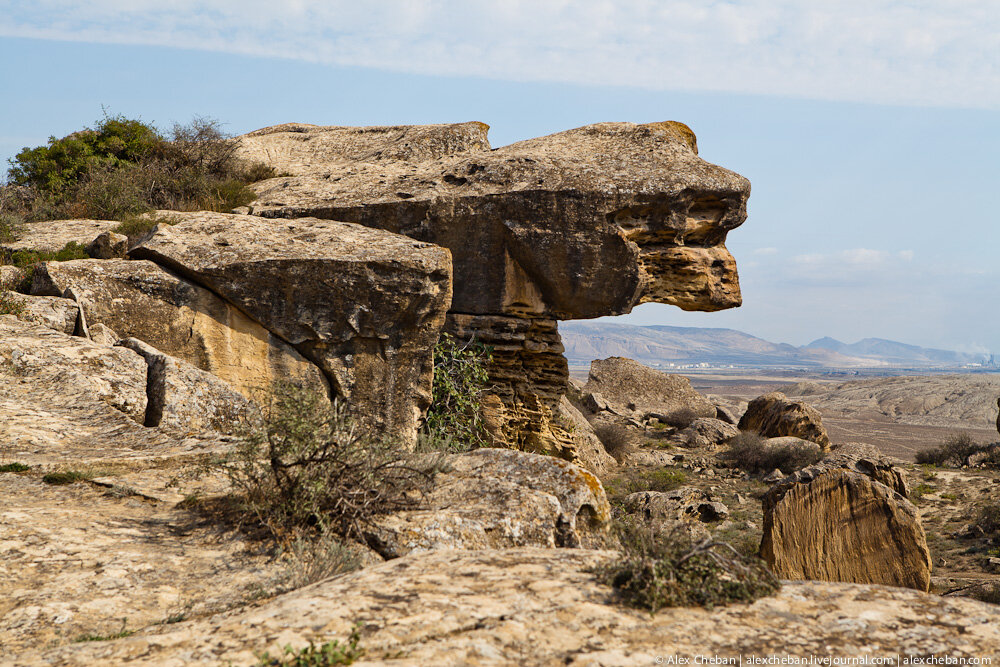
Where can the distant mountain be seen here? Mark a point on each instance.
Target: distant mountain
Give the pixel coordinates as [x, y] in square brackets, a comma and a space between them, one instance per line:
[662, 345]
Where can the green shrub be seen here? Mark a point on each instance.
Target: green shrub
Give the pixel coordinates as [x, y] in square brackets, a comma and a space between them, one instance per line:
[461, 379]
[954, 451]
[309, 467]
[137, 226]
[66, 477]
[14, 467]
[326, 655]
[659, 570]
[750, 452]
[122, 167]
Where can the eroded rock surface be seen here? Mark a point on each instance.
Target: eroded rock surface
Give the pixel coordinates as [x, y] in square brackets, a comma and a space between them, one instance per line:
[579, 224]
[546, 607]
[52, 236]
[773, 415]
[833, 524]
[366, 306]
[140, 299]
[631, 388]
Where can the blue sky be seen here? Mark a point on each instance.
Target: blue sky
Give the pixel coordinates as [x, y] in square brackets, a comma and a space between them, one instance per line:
[869, 130]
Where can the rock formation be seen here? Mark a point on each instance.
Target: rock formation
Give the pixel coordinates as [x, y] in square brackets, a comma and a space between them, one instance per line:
[584, 223]
[630, 388]
[838, 521]
[773, 415]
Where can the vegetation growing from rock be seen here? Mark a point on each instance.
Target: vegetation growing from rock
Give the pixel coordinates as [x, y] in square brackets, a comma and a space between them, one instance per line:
[658, 570]
[455, 417]
[310, 467]
[326, 655]
[749, 451]
[121, 167]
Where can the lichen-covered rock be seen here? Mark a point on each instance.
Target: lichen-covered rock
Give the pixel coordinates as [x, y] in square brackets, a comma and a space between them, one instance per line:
[492, 498]
[186, 399]
[365, 305]
[103, 334]
[50, 311]
[114, 376]
[10, 276]
[52, 236]
[546, 607]
[833, 524]
[590, 451]
[630, 387]
[579, 224]
[139, 299]
[773, 415]
[682, 506]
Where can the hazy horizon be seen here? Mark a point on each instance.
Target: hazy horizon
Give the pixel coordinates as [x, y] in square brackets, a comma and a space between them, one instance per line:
[870, 131]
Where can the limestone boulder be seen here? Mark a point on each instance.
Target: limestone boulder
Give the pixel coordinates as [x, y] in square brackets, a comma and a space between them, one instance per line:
[546, 607]
[188, 399]
[630, 387]
[590, 452]
[494, 498]
[139, 299]
[108, 245]
[833, 524]
[708, 432]
[365, 305]
[10, 276]
[774, 415]
[52, 236]
[52, 312]
[682, 506]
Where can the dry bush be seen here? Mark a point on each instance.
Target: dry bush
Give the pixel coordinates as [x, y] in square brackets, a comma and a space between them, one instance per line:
[658, 569]
[680, 418]
[310, 468]
[987, 520]
[619, 441]
[750, 452]
[634, 480]
[955, 451]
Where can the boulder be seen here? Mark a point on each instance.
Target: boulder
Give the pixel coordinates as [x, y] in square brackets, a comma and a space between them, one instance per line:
[186, 399]
[685, 504]
[773, 415]
[108, 245]
[591, 454]
[834, 524]
[52, 236]
[139, 299]
[707, 432]
[365, 305]
[630, 387]
[50, 311]
[583, 223]
[546, 607]
[494, 498]
[103, 334]
[10, 276]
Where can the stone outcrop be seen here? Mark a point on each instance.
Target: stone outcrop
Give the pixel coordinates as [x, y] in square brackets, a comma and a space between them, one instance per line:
[365, 305]
[495, 498]
[52, 236]
[52, 312]
[773, 415]
[631, 388]
[108, 245]
[831, 523]
[589, 450]
[579, 224]
[707, 432]
[546, 607]
[139, 299]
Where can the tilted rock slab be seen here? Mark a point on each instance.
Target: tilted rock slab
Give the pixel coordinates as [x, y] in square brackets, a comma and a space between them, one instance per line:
[632, 388]
[833, 524]
[53, 235]
[579, 224]
[546, 607]
[365, 305]
[139, 299]
[773, 415]
[495, 498]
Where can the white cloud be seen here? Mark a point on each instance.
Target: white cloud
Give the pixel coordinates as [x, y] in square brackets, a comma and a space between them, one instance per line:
[927, 52]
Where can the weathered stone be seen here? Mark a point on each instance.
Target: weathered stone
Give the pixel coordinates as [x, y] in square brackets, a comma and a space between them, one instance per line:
[186, 399]
[594, 401]
[628, 386]
[108, 245]
[138, 299]
[590, 451]
[864, 459]
[588, 222]
[493, 498]
[843, 526]
[103, 334]
[546, 607]
[683, 505]
[114, 376]
[52, 312]
[707, 432]
[773, 415]
[365, 305]
[52, 236]
[10, 276]
[727, 414]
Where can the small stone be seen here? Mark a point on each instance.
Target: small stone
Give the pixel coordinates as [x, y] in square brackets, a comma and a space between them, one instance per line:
[774, 476]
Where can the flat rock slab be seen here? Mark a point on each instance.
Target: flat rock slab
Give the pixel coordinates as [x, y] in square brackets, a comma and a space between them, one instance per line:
[53, 236]
[545, 607]
[367, 306]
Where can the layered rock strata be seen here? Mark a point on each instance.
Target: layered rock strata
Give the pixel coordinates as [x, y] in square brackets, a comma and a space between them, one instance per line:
[579, 224]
